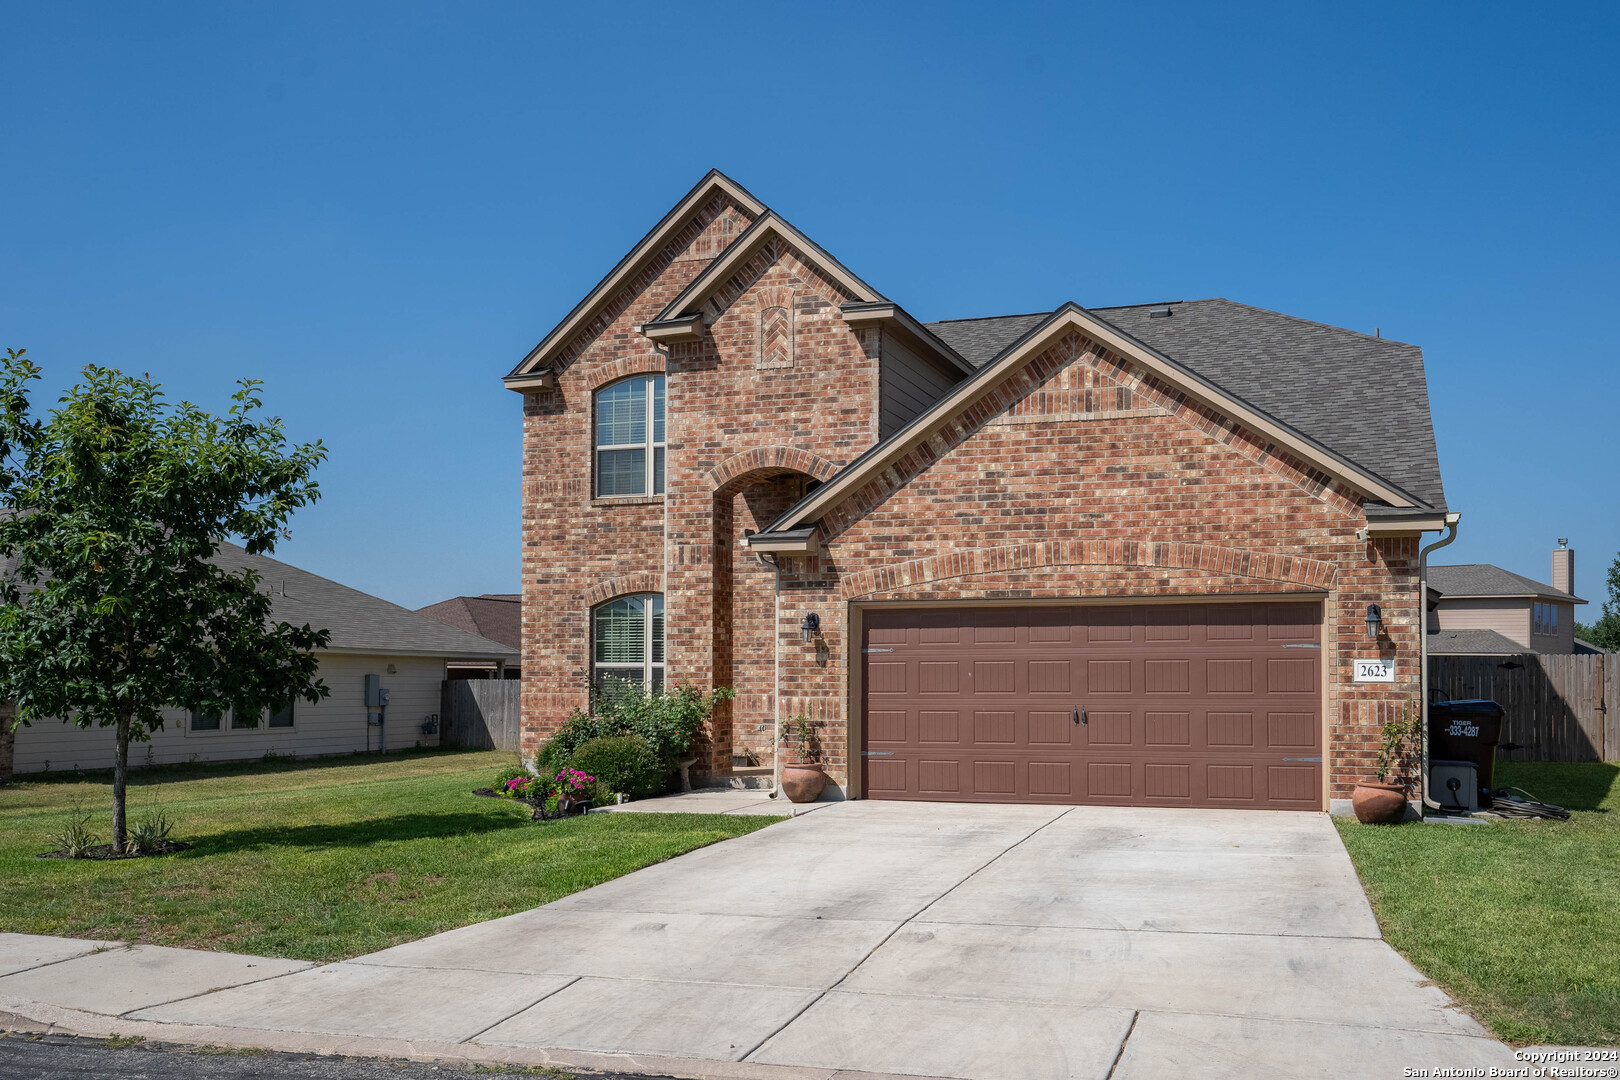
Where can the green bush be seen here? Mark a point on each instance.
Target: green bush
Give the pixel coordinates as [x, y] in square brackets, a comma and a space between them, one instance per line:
[626, 763]
[511, 772]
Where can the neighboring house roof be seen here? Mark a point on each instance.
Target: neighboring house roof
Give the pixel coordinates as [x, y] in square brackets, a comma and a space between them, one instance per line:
[497, 616]
[1196, 383]
[1483, 579]
[359, 622]
[1582, 646]
[1362, 396]
[1473, 643]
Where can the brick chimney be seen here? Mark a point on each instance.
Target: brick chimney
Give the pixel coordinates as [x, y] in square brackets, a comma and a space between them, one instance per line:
[1563, 567]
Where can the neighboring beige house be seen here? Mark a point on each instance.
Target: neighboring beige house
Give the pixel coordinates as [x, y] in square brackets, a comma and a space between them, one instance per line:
[407, 652]
[1482, 610]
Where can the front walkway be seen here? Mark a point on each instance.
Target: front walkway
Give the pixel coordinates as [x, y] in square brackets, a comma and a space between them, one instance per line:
[863, 938]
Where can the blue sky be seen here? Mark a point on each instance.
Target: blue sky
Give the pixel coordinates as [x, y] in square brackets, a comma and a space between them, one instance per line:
[379, 208]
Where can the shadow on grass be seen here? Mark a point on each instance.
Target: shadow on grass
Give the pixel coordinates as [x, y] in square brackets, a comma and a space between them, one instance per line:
[1574, 785]
[355, 833]
[140, 776]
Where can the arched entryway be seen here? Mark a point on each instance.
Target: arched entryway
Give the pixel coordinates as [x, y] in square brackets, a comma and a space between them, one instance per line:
[751, 490]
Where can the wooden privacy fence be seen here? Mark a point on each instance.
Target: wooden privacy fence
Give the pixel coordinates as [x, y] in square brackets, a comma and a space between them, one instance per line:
[1558, 707]
[481, 712]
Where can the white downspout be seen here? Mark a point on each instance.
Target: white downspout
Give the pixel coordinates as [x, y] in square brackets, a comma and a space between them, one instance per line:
[1423, 655]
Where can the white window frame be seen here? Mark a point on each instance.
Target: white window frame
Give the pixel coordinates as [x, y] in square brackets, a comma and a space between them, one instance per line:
[652, 673]
[653, 480]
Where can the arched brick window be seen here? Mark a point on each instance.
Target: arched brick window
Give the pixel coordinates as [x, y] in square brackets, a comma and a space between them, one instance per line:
[630, 437]
[627, 640]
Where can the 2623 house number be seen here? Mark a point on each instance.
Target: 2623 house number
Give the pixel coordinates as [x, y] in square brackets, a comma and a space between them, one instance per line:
[1375, 671]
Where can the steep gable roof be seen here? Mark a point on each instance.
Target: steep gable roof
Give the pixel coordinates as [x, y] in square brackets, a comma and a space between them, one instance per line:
[1365, 397]
[1029, 344]
[647, 247]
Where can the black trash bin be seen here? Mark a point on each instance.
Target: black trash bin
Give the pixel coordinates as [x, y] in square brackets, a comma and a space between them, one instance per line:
[1467, 731]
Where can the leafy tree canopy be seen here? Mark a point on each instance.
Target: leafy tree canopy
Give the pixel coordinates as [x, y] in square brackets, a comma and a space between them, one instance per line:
[1605, 632]
[112, 507]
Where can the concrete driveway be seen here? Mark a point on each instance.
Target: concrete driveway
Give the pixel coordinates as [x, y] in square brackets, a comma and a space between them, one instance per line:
[925, 939]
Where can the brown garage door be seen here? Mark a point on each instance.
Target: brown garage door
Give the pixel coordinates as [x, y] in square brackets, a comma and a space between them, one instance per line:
[1154, 705]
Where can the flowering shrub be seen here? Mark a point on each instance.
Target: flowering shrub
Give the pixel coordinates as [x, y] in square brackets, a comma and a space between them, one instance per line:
[574, 784]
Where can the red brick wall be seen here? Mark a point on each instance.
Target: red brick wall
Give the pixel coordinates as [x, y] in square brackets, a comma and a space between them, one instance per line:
[743, 412]
[1080, 476]
[1090, 484]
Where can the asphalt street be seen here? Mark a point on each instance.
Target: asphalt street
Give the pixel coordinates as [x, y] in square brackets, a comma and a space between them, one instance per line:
[25, 1056]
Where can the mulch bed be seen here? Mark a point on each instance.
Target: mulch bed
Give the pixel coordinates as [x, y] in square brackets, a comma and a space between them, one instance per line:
[106, 851]
[539, 805]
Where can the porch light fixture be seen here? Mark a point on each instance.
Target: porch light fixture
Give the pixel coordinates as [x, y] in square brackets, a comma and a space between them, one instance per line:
[810, 626]
[1375, 620]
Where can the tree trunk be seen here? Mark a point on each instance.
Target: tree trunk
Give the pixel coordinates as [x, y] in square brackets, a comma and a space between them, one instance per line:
[120, 779]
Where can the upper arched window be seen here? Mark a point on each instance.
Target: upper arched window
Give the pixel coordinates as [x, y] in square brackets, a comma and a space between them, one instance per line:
[630, 437]
[628, 640]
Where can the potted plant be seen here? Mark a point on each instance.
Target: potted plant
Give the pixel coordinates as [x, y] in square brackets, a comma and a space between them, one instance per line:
[1381, 802]
[573, 791]
[802, 778]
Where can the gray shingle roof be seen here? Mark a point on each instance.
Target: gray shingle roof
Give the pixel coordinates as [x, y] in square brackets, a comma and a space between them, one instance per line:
[359, 621]
[1484, 579]
[1473, 643]
[1363, 397]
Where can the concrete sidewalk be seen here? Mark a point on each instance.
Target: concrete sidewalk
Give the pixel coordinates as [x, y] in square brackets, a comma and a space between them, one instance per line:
[863, 939]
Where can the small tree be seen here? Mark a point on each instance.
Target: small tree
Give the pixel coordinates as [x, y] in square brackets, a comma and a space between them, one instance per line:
[113, 506]
[1605, 632]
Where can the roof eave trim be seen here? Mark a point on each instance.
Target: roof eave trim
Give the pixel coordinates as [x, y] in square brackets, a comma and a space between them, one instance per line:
[1020, 352]
[538, 380]
[805, 541]
[627, 266]
[682, 328]
[1410, 525]
[768, 224]
[862, 313]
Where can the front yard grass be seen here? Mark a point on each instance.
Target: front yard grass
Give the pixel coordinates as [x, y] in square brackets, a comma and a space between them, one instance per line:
[1518, 920]
[317, 860]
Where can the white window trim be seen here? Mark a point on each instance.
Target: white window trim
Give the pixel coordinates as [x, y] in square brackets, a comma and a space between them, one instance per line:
[650, 446]
[226, 727]
[647, 666]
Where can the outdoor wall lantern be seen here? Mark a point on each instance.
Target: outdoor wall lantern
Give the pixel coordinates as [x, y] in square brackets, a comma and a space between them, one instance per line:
[1375, 620]
[810, 626]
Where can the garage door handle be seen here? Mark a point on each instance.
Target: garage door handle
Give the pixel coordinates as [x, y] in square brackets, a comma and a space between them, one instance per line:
[1080, 715]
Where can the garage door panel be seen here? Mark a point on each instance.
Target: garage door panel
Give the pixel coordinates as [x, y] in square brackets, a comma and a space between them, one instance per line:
[990, 728]
[1050, 728]
[1168, 729]
[1051, 676]
[1182, 709]
[1110, 729]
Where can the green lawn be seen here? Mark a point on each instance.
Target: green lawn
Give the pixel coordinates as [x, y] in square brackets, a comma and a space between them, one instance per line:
[1518, 920]
[317, 860]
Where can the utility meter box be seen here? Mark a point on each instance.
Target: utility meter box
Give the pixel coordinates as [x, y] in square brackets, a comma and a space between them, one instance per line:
[375, 694]
[1454, 785]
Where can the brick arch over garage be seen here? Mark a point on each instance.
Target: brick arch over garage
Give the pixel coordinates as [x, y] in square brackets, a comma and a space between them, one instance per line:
[1231, 562]
[624, 585]
[740, 470]
[629, 365]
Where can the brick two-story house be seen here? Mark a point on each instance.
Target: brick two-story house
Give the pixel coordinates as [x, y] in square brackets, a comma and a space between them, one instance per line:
[1118, 555]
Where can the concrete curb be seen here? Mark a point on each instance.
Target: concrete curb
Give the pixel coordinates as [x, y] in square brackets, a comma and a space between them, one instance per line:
[33, 1016]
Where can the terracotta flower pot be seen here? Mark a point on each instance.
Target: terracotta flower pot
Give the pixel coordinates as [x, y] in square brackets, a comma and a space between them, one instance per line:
[1379, 804]
[802, 781]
